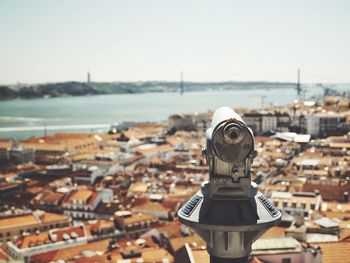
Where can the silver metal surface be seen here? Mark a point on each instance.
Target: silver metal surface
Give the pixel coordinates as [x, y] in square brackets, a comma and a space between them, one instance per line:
[229, 212]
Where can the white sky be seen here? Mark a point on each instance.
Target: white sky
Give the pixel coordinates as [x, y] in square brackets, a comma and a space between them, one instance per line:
[218, 40]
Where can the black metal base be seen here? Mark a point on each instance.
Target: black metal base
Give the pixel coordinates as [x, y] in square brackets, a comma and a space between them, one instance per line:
[228, 260]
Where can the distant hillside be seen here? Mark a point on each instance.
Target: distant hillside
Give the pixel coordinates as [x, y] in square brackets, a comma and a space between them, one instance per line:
[83, 88]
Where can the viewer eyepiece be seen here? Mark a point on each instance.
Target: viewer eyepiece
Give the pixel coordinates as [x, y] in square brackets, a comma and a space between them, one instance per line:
[229, 138]
[233, 133]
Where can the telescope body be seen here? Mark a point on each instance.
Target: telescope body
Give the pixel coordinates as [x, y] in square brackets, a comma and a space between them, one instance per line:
[229, 212]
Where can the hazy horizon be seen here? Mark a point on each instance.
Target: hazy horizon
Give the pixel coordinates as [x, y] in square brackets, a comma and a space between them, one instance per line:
[175, 81]
[118, 41]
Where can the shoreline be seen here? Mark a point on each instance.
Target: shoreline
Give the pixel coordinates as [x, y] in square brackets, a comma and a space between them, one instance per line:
[82, 89]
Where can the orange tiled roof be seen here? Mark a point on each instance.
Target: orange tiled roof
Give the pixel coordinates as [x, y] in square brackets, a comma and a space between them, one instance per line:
[200, 256]
[33, 240]
[154, 206]
[335, 252]
[5, 144]
[345, 235]
[93, 259]
[138, 218]
[68, 253]
[60, 233]
[51, 197]
[138, 187]
[18, 221]
[82, 194]
[193, 241]
[151, 255]
[172, 229]
[102, 224]
[336, 214]
[3, 256]
[28, 166]
[51, 217]
[275, 231]
[150, 127]
[328, 192]
[61, 142]
[255, 260]
[338, 207]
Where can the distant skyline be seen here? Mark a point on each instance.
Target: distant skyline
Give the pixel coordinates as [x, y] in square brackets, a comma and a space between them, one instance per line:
[226, 40]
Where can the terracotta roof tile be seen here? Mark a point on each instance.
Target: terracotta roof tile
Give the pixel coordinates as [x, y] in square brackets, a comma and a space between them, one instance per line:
[32, 240]
[15, 221]
[51, 197]
[69, 232]
[193, 241]
[150, 255]
[155, 206]
[85, 195]
[51, 217]
[255, 260]
[101, 224]
[171, 229]
[200, 256]
[3, 255]
[138, 218]
[68, 253]
[335, 252]
[275, 231]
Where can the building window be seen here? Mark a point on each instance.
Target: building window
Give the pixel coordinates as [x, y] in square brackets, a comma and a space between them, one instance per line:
[286, 260]
[8, 234]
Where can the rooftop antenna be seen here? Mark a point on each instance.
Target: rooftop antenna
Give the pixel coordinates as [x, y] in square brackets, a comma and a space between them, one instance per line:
[88, 77]
[45, 131]
[182, 83]
[298, 84]
[263, 101]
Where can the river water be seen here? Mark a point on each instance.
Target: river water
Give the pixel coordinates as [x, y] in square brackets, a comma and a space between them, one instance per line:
[24, 118]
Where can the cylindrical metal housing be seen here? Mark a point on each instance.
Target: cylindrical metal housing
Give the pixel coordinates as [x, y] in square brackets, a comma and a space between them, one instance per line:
[222, 114]
[232, 140]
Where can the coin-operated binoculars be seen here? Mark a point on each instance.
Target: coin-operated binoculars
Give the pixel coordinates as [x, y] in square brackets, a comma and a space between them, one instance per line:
[229, 212]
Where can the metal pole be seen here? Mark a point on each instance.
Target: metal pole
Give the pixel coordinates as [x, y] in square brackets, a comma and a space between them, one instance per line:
[228, 260]
[182, 83]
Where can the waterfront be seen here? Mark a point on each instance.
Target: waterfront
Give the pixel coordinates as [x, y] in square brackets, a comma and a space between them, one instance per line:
[24, 118]
[110, 193]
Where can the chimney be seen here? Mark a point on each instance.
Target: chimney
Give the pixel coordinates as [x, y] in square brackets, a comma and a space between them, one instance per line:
[299, 219]
[285, 203]
[303, 204]
[312, 205]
